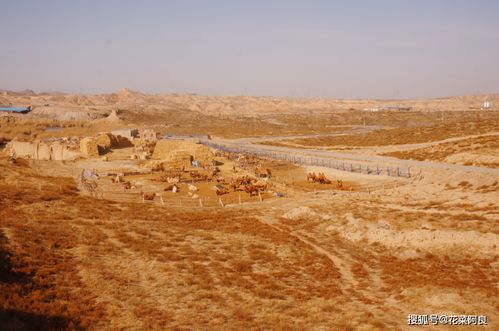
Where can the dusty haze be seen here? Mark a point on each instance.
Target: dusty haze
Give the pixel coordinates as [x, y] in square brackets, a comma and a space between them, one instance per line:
[396, 49]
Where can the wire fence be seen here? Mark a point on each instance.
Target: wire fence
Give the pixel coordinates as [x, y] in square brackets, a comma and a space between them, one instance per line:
[168, 199]
[315, 161]
[102, 191]
[194, 201]
[107, 191]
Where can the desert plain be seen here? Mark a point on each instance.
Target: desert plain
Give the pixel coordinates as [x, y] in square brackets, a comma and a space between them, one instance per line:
[246, 213]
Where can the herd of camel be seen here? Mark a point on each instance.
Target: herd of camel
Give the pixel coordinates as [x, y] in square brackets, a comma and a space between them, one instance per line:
[127, 185]
[253, 185]
[248, 184]
[322, 179]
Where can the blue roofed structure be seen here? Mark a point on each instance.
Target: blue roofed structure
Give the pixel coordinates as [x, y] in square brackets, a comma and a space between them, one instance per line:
[19, 110]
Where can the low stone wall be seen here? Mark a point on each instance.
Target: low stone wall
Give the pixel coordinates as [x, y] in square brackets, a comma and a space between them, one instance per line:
[38, 150]
[88, 147]
[178, 149]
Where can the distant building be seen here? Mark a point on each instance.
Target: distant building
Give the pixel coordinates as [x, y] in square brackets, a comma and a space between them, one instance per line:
[127, 133]
[388, 108]
[486, 105]
[22, 110]
[397, 108]
[372, 110]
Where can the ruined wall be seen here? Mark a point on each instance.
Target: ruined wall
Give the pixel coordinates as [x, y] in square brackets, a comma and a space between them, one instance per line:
[203, 154]
[104, 142]
[88, 147]
[120, 142]
[182, 152]
[37, 150]
[127, 133]
[22, 149]
[107, 141]
[178, 159]
[60, 151]
[43, 151]
[148, 135]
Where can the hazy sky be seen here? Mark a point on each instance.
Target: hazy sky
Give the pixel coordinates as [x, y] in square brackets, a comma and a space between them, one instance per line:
[346, 49]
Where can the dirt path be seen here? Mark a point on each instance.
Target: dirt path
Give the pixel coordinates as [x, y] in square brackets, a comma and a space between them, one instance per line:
[340, 258]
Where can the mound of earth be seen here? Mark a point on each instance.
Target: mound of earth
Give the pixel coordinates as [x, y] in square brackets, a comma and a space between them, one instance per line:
[112, 117]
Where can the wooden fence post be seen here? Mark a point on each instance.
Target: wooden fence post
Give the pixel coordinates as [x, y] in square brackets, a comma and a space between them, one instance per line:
[220, 201]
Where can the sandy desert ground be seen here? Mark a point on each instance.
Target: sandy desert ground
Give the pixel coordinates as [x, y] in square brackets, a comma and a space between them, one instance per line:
[362, 255]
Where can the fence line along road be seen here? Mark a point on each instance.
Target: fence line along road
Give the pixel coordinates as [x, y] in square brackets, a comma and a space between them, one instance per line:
[316, 161]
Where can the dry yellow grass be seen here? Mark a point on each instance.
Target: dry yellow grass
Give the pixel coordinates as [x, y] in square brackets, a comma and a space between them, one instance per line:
[361, 261]
[404, 135]
[154, 261]
[484, 145]
[100, 264]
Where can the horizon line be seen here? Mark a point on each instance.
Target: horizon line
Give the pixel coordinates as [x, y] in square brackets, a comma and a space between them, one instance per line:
[35, 93]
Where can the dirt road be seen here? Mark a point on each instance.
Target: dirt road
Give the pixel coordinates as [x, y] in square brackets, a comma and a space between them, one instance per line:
[252, 145]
